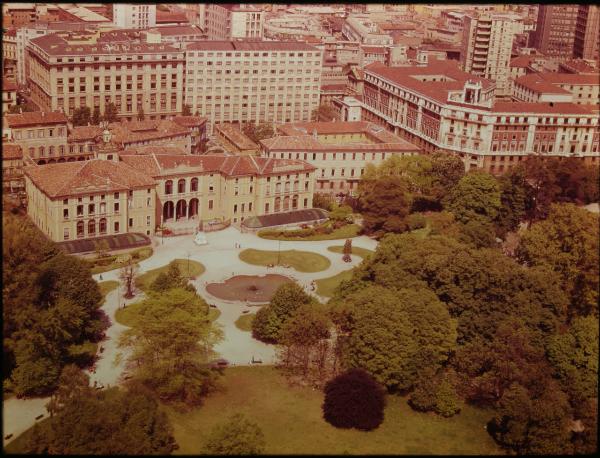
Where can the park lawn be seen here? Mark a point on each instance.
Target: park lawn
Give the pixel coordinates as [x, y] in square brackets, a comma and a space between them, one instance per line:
[244, 322]
[144, 281]
[345, 232]
[292, 422]
[302, 261]
[356, 251]
[107, 286]
[130, 314]
[108, 263]
[327, 286]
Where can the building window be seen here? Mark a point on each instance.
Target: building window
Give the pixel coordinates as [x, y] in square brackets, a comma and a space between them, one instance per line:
[130, 222]
[79, 210]
[194, 184]
[80, 229]
[181, 186]
[116, 227]
[91, 209]
[92, 227]
[66, 213]
[250, 207]
[267, 207]
[210, 204]
[169, 187]
[235, 208]
[66, 233]
[305, 203]
[102, 226]
[148, 220]
[116, 206]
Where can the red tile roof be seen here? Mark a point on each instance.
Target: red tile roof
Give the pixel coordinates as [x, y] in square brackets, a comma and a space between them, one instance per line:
[236, 136]
[438, 90]
[54, 45]
[11, 151]
[165, 165]
[189, 121]
[85, 177]
[136, 131]
[521, 61]
[35, 118]
[178, 30]
[536, 83]
[82, 133]
[169, 16]
[571, 78]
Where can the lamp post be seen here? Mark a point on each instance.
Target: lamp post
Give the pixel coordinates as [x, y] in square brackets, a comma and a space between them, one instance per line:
[278, 252]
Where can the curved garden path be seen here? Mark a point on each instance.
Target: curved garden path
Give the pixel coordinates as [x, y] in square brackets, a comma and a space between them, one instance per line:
[220, 258]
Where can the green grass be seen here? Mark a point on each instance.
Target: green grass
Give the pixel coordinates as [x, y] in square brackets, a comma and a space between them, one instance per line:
[356, 251]
[302, 261]
[326, 286]
[108, 263]
[107, 286]
[145, 280]
[345, 232]
[292, 421]
[130, 314]
[244, 322]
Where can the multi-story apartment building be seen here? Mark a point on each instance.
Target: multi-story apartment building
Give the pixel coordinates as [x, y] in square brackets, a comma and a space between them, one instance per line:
[225, 188]
[12, 168]
[360, 28]
[440, 107]
[228, 21]
[487, 46]
[9, 54]
[339, 150]
[42, 136]
[134, 15]
[587, 31]
[558, 87]
[9, 95]
[238, 81]
[82, 200]
[76, 69]
[555, 30]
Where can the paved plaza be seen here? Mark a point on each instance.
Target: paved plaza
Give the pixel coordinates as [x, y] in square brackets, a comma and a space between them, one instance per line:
[220, 258]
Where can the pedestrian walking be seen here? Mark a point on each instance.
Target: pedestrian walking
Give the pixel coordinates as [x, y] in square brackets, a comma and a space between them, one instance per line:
[100, 277]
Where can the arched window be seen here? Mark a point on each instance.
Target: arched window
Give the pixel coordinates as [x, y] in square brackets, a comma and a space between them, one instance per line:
[80, 229]
[92, 227]
[169, 187]
[42, 151]
[103, 226]
[31, 151]
[102, 207]
[51, 151]
[181, 186]
[61, 150]
[194, 184]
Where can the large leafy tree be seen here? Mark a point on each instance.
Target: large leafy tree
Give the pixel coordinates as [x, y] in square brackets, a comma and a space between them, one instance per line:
[513, 188]
[475, 197]
[446, 171]
[393, 334]
[172, 342]
[534, 425]
[109, 422]
[270, 319]
[567, 243]
[574, 354]
[237, 436]
[354, 399]
[111, 112]
[304, 339]
[385, 205]
[81, 116]
[50, 309]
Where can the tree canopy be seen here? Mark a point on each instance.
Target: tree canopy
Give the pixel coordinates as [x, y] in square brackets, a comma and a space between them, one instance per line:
[237, 436]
